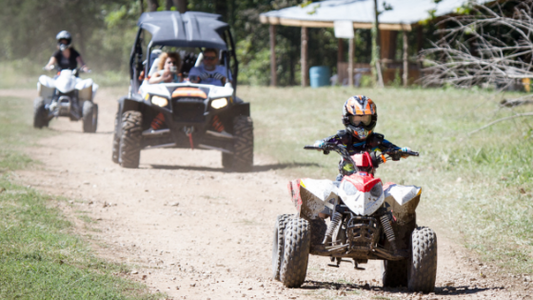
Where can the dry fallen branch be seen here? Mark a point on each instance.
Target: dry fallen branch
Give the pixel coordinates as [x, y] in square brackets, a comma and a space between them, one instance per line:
[501, 120]
[488, 47]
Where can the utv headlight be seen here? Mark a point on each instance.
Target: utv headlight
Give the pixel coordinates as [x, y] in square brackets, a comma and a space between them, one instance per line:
[219, 103]
[159, 101]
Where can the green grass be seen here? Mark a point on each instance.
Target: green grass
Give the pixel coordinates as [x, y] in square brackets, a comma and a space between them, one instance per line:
[477, 187]
[40, 256]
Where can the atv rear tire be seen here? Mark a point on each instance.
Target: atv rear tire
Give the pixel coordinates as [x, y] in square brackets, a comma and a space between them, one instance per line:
[40, 116]
[296, 253]
[423, 266]
[90, 116]
[278, 244]
[242, 158]
[116, 141]
[130, 139]
[395, 272]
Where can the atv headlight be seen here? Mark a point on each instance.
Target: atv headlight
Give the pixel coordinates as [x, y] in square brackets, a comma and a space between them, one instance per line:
[376, 190]
[219, 103]
[159, 101]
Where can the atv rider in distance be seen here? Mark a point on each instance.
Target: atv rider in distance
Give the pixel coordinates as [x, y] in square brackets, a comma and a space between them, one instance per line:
[66, 57]
[210, 72]
[359, 115]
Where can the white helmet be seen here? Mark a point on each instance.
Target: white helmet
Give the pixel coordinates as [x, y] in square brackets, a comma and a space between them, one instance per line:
[63, 35]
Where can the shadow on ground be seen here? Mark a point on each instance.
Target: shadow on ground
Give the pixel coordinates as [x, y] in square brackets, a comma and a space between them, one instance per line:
[347, 287]
[256, 169]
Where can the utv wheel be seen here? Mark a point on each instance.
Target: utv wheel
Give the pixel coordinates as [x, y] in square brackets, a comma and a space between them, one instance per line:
[395, 272]
[116, 141]
[423, 263]
[130, 139]
[243, 156]
[40, 115]
[278, 244]
[296, 253]
[90, 116]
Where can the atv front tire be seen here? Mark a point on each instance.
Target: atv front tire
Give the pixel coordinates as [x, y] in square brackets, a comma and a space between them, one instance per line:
[296, 253]
[395, 272]
[116, 141]
[130, 139]
[278, 244]
[90, 116]
[423, 266]
[40, 115]
[242, 158]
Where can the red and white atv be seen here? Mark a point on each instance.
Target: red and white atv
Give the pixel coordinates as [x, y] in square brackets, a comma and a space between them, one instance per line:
[368, 220]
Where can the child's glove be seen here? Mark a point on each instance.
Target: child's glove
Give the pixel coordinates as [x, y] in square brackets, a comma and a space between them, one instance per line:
[405, 149]
[319, 144]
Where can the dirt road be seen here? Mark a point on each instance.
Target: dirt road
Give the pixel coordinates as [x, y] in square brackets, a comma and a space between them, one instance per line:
[191, 230]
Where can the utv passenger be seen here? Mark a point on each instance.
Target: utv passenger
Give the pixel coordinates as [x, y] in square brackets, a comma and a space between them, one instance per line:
[210, 72]
[66, 57]
[169, 65]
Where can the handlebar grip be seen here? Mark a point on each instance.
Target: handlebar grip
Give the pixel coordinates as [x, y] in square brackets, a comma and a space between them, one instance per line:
[412, 153]
[312, 148]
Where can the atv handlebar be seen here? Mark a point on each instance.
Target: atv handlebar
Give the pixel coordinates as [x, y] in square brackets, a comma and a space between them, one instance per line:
[394, 154]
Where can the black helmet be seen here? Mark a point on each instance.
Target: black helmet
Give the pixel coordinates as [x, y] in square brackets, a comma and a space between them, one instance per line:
[359, 115]
[63, 35]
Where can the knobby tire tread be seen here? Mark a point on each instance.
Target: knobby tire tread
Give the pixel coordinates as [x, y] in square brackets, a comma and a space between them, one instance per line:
[116, 141]
[278, 244]
[243, 153]
[88, 110]
[296, 253]
[39, 113]
[130, 139]
[423, 268]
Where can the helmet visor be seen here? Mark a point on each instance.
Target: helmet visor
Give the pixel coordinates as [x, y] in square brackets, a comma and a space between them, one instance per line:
[357, 120]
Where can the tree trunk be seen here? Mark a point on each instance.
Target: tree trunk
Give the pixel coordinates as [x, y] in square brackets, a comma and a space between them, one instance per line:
[153, 5]
[181, 5]
[303, 58]
[405, 59]
[273, 75]
[142, 6]
[351, 52]
[375, 47]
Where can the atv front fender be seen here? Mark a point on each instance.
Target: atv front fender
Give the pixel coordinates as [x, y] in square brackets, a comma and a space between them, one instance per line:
[310, 196]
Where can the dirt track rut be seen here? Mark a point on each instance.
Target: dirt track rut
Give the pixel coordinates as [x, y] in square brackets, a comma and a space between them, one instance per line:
[193, 231]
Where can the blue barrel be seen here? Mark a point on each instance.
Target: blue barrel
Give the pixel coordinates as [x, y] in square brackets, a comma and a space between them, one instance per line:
[319, 76]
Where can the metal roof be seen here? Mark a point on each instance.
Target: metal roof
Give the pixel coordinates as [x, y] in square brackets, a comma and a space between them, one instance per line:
[362, 11]
[190, 29]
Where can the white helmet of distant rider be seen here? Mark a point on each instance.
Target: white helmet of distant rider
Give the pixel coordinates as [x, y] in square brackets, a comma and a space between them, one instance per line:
[64, 40]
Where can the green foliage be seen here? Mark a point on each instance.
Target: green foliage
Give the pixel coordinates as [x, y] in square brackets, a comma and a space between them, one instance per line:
[100, 30]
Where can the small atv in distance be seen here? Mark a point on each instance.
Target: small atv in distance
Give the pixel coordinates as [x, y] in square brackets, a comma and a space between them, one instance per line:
[66, 96]
[369, 220]
[185, 114]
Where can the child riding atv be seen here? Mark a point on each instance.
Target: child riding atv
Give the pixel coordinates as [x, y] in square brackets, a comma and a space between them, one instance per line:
[359, 115]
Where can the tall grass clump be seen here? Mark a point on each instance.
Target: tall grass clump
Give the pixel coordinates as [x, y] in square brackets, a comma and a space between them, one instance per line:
[476, 186]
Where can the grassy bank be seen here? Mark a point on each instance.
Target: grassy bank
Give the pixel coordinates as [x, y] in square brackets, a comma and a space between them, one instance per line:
[478, 186]
[40, 256]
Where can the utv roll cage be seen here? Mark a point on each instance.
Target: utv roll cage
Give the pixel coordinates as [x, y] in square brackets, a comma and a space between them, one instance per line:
[188, 30]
